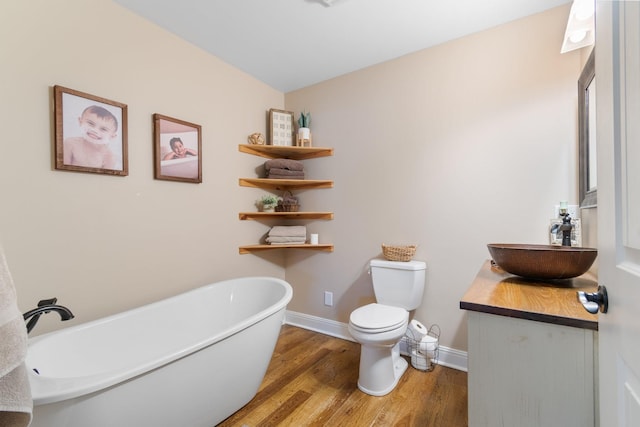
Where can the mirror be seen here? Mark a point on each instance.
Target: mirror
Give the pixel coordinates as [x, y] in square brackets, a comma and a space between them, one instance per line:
[588, 180]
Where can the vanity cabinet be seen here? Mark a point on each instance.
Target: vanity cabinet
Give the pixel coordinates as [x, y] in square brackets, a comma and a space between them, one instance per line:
[285, 152]
[532, 352]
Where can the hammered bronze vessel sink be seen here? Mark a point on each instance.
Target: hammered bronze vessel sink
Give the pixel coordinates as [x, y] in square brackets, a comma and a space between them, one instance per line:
[542, 261]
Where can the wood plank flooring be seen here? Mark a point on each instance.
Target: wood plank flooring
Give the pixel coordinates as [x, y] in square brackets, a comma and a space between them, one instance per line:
[312, 381]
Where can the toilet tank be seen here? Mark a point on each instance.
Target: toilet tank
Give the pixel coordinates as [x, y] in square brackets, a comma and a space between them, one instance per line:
[398, 283]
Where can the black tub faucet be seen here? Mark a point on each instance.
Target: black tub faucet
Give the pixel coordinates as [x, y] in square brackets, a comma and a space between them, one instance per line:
[45, 306]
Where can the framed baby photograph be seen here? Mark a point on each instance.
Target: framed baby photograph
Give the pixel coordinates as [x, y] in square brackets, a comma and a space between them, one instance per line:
[90, 133]
[177, 149]
[281, 127]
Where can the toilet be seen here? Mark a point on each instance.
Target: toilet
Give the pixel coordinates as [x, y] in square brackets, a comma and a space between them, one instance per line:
[379, 327]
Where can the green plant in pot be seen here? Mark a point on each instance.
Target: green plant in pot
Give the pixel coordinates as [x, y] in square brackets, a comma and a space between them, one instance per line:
[304, 124]
[304, 121]
[268, 202]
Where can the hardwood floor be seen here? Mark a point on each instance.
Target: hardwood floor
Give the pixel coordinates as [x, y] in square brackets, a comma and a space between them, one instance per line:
[312, 381]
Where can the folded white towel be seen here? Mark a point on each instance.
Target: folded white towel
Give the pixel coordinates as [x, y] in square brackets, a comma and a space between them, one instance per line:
[15, 393]
[287, 243]
[288, 231]
[283, 239]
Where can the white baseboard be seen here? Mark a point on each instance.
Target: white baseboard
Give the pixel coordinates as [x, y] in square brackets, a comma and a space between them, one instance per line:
[449, 357]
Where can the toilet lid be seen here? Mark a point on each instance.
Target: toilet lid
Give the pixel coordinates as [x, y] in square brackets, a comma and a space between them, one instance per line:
[378, 316]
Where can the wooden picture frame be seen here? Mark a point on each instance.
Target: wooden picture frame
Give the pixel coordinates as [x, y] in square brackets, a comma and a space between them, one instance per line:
[90, 133]
[177, 149]
[281, 127]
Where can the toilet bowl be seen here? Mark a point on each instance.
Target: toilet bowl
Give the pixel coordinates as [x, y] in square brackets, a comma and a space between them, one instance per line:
[378, 328]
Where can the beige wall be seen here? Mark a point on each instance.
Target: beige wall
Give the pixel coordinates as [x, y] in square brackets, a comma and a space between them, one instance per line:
[100, 243]
[451, 148]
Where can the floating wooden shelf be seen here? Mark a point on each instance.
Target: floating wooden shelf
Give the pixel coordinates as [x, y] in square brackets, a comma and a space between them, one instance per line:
[285, 215]
[286, 152]
[255, 248]
[285, 184]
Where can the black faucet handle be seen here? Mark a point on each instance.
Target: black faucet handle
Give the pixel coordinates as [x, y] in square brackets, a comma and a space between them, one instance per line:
[44, 302]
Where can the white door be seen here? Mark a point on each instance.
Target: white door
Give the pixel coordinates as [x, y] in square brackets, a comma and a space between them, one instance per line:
[618, 135]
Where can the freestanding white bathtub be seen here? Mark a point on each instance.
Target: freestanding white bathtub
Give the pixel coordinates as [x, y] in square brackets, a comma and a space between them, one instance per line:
[190, 360]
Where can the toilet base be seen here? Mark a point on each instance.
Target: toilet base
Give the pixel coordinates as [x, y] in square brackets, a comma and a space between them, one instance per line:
[380, 369]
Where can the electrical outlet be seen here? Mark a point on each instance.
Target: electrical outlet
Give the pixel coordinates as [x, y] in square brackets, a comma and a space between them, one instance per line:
[572, 209]
[328, 298]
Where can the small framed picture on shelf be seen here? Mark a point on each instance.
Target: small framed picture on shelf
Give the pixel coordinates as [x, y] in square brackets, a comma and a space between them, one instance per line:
[281, 127]
[178, 149]
[90, 132]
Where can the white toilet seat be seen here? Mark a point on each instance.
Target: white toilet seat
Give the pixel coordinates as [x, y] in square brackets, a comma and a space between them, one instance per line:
[377, 318]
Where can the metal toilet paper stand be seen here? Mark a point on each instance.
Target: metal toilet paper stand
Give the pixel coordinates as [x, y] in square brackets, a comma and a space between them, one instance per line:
[423, 350]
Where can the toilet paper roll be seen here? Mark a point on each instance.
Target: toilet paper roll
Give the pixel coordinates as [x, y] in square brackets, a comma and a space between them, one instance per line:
[419, 361]
[429, 345]
[417, 330]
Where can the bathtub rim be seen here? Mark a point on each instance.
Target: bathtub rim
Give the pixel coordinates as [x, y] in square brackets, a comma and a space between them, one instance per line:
[47, 390]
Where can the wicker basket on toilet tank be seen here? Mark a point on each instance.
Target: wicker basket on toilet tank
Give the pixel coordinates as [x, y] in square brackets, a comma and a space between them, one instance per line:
[398, 252]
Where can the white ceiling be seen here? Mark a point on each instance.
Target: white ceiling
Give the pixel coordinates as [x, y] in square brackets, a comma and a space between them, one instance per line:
[290, 44]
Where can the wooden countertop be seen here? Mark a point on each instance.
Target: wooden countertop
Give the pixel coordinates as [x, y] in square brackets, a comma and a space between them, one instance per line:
[495, 291]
